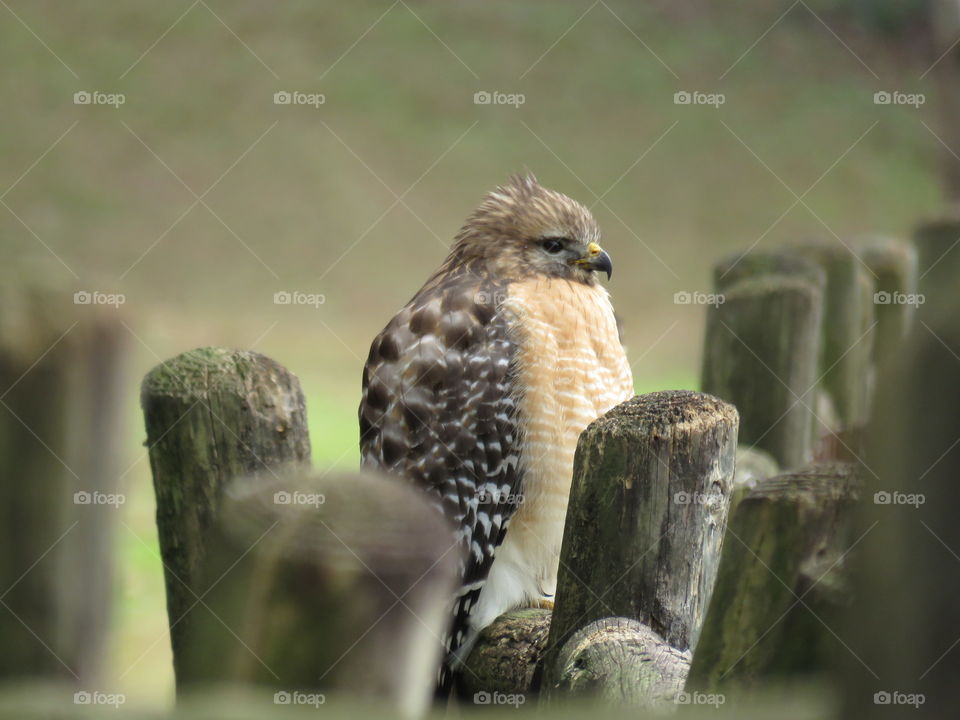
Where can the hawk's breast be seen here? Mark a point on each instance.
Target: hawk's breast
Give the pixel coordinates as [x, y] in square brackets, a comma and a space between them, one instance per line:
[570, 369]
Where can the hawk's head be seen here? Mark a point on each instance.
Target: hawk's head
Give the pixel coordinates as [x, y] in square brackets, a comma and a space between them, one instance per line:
[522, 229]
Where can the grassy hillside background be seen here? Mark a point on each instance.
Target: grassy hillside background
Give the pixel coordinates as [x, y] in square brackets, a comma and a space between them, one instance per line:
[305, 198]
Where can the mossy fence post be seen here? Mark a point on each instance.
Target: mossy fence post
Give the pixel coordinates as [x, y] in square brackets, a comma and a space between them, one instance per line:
[781, 568]
[212, 415]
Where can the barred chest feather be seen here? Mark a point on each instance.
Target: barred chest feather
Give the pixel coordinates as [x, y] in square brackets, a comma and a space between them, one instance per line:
[570, 369]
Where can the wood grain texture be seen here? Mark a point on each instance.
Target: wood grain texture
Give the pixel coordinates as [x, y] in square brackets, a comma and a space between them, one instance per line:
[508, 655]
[619, 661]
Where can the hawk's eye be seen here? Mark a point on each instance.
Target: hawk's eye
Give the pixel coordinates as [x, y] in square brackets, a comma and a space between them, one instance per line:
[552, 245]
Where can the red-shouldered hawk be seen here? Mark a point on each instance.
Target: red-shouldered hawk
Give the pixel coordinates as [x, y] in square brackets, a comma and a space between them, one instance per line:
[478, 389]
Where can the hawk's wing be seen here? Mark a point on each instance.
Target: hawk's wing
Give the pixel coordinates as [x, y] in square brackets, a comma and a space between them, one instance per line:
[439, 409]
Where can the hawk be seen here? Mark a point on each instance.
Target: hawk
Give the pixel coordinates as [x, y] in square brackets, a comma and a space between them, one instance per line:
[479, 387]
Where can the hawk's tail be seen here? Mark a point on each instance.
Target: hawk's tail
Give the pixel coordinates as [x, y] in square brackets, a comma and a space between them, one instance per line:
[458, 642]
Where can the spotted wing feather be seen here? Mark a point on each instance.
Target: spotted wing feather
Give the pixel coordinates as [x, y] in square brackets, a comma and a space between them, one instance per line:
[439, 409]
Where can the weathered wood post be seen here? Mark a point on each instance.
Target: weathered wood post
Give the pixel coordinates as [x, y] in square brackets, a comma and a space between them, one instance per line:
[938, 249]
[211, 415]
[734, 268]
[761, 353]
[318, 584]
[847, 345]
[781, 561]
[62, 365]
[903, 621]
[894, 265]
[648, 506]
[943, 60]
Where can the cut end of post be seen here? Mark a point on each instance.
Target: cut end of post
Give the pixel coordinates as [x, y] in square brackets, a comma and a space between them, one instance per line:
[195, 372]
[658, 412]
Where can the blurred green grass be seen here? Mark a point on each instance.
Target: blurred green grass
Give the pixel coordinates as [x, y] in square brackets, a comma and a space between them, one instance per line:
[305, 207]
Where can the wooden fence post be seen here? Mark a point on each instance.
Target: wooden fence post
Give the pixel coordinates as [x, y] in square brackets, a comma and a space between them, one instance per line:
[648, 506]
[732, 269]
[943, 25]
[316, 584]
[847, 344]
[761, 353]
[894, 263]
[62, 366]
[211, 415]
[938, 250]
[786, 539]
[903, 618]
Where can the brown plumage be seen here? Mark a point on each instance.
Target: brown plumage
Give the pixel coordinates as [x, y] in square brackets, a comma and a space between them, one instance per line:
[477, 390]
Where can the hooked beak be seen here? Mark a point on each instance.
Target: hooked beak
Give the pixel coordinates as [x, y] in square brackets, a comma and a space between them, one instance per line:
[596, 259]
